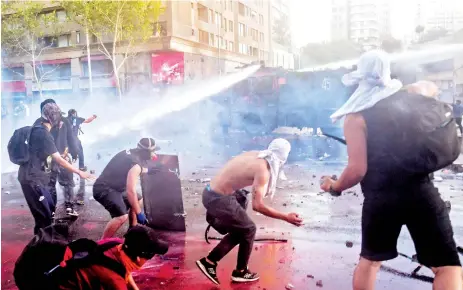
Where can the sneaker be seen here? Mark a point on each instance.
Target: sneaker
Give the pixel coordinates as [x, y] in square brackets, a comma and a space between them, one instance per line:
[208, 269]
[80, 202]
[244, 276]
[71, 212]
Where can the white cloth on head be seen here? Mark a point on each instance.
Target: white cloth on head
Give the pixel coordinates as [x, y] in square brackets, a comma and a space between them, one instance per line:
[276, 156]
[373, 77]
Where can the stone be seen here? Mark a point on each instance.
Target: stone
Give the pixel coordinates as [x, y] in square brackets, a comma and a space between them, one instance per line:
[289, 286]
[319, 283]
[310, 276]
[349, 244]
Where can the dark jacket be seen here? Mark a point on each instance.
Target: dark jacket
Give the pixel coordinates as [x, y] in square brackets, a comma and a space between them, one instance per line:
[64, 138]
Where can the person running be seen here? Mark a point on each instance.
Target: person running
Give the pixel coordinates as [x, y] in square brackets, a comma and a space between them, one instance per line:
[220, 198]
[34, 176]
[115, 188]
[458, 114]
[377, 120]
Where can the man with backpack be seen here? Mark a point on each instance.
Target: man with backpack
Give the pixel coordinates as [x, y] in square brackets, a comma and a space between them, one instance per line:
[394, 141]
[116, 187]
[75, 122]
[83, 263]
[66, 144]
[35, 161]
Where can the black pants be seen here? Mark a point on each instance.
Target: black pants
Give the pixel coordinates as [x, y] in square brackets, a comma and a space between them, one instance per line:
[81, 155]
[458, 121]
[40, 203]
[227, 211]
[65, 179]
[422, 210]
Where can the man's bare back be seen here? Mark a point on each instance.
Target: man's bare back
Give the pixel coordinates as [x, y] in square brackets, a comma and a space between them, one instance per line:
[239, 173]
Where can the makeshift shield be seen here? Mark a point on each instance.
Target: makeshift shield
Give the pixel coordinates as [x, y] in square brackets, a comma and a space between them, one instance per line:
[162, 194]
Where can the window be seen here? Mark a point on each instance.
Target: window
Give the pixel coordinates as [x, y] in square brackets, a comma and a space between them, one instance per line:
[203, 37]
[247, 11]
[224, 23]
[261, 19]
[261, 37]
[241, 9]
[94, 38]
[242, 29]
[230, 5]
[254, 34]
[160, 29]
[211, 16]
[202, 13]
[77, 37]
[230, 25]
[192, 13]
[220, 42]
[99, 67]
[211, 39]
[230, 46]
[224, 44]
[261, 54]
[254, 15]
[61, 15]
[13, 74]
[218, 19]
[63, 40]
[243, 48]
[49, 41]
[55, 71]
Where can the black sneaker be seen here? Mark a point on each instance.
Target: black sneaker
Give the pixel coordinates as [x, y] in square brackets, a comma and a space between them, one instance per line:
[208, 269]
[244, 276]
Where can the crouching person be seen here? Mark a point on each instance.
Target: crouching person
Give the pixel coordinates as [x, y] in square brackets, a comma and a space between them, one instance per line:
[140, 245]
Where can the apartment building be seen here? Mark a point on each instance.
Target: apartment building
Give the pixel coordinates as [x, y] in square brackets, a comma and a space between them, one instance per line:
[362, 21]
[281, 54]
[446, 14]
[191, 40]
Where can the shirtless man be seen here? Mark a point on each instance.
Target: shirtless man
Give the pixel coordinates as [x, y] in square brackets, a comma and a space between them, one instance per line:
[220, 198]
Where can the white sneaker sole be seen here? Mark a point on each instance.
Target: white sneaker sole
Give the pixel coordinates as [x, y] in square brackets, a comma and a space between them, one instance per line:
[243, 280]
[203, 269]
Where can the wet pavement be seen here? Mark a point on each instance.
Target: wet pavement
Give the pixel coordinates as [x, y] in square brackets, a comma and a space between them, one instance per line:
[316, 255]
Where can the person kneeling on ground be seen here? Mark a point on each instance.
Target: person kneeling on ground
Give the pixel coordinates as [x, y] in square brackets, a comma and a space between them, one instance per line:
[140, 245]
[383, 129]
[115, 188]
[220, 198]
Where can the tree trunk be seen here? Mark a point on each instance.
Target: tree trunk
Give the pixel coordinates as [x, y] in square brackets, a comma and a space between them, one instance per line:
[116, 77]
[89, 63]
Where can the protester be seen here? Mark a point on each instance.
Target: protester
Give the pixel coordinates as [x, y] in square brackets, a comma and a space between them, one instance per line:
[458, 114]
[221, 198]
[115, 188]
[66, 144]
[34, 176]
[378, 118]
[76, 121]
[140, 245]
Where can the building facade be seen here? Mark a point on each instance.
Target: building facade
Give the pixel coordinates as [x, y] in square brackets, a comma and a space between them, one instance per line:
[447, 14]
[361, 21]
[281, 53]
[191, 40]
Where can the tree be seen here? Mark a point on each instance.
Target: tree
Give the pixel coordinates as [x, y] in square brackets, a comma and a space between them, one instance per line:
[127, 23]
[391, 44]
[323, 53]
[282, 30]
[27, 31]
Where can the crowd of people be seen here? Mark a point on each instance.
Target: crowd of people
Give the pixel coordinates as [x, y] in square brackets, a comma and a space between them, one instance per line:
[382, 126]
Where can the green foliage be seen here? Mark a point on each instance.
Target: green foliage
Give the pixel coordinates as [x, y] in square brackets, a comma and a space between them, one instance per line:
[24, 23]
[323, 53]
[282, 30]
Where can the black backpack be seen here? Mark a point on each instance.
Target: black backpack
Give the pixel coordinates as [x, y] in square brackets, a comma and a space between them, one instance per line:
[429, 135]
[18, 146]
[43, 263]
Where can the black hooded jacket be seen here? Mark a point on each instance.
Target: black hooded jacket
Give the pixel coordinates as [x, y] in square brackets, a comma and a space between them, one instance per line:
[63, 137]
